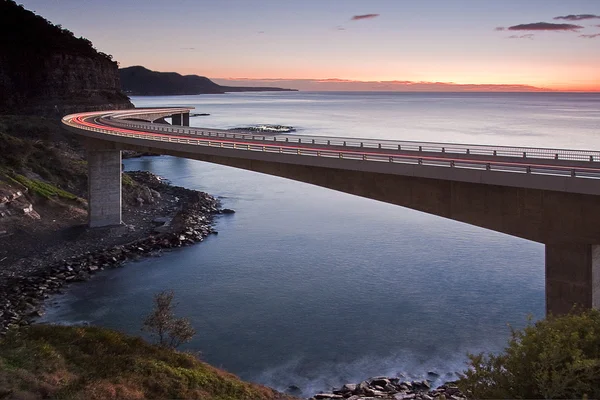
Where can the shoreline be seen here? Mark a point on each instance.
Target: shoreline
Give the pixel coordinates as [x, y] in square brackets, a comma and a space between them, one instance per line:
[23, 295]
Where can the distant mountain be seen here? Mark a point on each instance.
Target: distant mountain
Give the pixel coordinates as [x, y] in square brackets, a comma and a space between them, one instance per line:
[140, 81]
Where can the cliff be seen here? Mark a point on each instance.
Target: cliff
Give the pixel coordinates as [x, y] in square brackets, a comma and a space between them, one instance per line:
[141, 81]
[46, 70]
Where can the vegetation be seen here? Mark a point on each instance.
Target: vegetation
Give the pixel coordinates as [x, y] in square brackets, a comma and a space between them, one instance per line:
[42, 189]
[558, 357]
[40, 150]
[66, 362]
[161, 323]
[26, 29]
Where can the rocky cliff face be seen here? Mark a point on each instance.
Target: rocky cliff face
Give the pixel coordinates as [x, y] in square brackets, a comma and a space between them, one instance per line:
[72, 83]
[46, 70]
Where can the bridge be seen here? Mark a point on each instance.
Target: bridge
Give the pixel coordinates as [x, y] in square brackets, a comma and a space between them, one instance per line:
[550, 196]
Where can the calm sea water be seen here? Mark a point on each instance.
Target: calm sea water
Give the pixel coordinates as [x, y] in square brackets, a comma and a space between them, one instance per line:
[316, 288]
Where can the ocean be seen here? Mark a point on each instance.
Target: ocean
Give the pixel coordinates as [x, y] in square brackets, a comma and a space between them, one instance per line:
[314, 288]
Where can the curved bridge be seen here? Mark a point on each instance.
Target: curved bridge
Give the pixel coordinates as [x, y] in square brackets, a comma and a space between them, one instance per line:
[551, 196]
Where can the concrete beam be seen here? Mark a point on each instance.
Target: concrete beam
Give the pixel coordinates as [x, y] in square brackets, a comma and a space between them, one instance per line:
[176, 119]
[104, 187]
[572, 277]
[186, 119]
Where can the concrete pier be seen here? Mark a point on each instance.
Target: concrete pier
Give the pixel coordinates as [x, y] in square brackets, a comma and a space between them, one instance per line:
[104, 187]
[572, 277]
[182, 119]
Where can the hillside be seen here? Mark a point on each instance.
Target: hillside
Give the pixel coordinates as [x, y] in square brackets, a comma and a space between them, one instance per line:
[140, 81]
[46, 70]
[90, 363]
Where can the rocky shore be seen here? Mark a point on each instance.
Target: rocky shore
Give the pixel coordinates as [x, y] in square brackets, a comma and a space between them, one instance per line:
[165, 217]
[393, 389]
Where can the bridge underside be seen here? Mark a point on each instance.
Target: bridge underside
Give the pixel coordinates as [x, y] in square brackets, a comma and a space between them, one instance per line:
[567, 223]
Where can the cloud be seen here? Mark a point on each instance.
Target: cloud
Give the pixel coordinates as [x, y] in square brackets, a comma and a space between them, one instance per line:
[336, 84]
[590, 36]
[364, 16]
[578, 17]
[500, 28]
[544, 26]
[340, 28]
[526, 36]
[188, 48]
[261, 32]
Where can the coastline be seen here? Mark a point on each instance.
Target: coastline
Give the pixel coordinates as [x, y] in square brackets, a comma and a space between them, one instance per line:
[179, 217]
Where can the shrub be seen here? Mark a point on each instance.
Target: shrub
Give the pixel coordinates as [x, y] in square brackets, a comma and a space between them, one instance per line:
[161, 323]
[558, 357]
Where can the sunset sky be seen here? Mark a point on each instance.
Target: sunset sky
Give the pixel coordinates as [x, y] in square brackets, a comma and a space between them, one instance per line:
[384, 44]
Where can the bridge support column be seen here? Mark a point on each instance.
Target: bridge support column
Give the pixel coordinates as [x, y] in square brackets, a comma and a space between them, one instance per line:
[104, 187]
[176, 119]
[572, 277]
[186, 119]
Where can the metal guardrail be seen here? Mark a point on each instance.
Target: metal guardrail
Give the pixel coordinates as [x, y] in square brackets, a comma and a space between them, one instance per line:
[272, 145]
[429, 147]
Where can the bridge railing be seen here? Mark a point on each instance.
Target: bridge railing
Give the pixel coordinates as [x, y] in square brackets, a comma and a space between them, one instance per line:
[390, 145]
[222, 140]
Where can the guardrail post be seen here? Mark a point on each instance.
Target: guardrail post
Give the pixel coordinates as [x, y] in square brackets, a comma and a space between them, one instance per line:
[287, 139]
[495, 152]
[488, 167]
[452, 163]
[420, 161]
[328, 142]
[524, 155]
[420, 148]
[298, 151]
[379, 145]
[341, 155]
[318, 154]
[528, 169]
[344, 143]
[313, 141]
[361, 144]
[391, 159]
[364, 157]
[468, 151]
[573, 175]
[556, 156]
[592, 158]
[443, 150]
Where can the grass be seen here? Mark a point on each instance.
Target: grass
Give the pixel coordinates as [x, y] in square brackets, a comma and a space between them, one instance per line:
[62, 362]
[39, 146]
[42, 189]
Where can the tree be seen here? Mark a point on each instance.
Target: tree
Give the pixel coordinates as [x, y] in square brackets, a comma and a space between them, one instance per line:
[162, 324]
[558, 357]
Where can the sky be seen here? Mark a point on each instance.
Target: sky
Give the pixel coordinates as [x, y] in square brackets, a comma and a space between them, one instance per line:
[349, 44]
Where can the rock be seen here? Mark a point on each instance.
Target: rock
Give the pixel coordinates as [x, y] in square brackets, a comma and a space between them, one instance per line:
[293, 390]
[380, 381]
[328, 396]
[162, 220]
[348, 387]
[404, 396]
[227, 211]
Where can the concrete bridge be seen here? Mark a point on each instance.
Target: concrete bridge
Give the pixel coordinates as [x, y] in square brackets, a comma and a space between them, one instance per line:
[551, 196]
